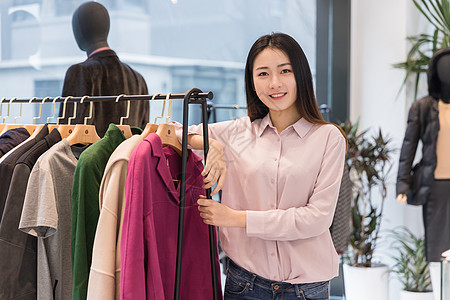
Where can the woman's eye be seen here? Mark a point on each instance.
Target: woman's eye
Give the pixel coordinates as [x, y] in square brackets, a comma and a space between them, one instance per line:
[286, 71]
[263, 74]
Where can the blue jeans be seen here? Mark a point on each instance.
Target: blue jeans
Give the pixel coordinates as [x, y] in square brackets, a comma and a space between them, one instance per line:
[242, 284]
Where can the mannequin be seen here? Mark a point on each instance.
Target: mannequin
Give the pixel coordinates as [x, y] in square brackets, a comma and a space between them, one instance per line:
[429, 121]
[90, 25]
[443, 72]
[102, 74]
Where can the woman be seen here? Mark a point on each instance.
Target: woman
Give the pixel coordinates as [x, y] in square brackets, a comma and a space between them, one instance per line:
[284, 164]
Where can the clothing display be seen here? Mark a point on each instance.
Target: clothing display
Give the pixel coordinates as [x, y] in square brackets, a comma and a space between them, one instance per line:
[150, 226]
[423, 125]
[104, 276]
[287, 218]
[18, 249]
[52, 194]
[47, 215]
[103, 74]
[12, 138]
[85, 205]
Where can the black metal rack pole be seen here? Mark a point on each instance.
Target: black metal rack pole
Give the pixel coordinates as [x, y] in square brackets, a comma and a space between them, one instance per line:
[192, 97]
[211, 229]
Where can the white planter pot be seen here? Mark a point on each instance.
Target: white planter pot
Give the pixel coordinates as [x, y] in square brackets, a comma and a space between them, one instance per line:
[366, 283]
[405, 295]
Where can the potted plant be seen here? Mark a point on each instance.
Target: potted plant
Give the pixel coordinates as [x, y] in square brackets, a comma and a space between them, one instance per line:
[368, 162]
[411, 266]
[437, 12]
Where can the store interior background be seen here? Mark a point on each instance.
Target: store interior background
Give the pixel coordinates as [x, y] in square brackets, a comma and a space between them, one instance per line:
[181, 44]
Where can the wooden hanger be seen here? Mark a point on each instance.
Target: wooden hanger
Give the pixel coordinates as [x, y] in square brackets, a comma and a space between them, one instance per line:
[83, 133]
[126, 130]
[2, 125]
[53, 126]
[7, 127]
[149, 128]
[66, 129]
[31, 128]
[168, 137]
[37, 128]
[167, 132]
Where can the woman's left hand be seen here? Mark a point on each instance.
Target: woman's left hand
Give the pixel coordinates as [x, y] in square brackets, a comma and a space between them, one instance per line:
[217, 214]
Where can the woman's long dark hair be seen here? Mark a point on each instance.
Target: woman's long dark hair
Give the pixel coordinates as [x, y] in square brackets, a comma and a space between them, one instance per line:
[306, 100]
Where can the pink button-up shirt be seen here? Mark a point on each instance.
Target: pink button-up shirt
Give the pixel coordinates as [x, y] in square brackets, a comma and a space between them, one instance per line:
[288, 183]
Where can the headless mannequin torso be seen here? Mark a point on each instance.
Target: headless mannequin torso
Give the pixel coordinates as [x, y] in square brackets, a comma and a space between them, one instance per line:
[443, 73]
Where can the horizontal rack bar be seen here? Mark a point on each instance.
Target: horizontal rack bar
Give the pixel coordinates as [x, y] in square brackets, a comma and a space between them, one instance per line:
[194, 96]
[210, 104]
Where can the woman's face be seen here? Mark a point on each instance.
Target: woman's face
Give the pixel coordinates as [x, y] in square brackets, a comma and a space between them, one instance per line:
[274, 80]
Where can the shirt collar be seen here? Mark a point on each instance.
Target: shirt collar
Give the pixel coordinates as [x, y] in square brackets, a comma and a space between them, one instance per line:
[301, 127]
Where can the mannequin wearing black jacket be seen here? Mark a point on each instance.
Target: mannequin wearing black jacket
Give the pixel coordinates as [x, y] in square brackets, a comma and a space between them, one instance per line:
[424, 125]
[102, 74]
[443, 85]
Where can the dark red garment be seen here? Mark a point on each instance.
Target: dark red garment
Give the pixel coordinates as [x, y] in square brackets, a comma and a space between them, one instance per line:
[150, 227]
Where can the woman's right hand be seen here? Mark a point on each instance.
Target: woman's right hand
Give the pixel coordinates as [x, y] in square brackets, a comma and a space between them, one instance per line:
[215, 169]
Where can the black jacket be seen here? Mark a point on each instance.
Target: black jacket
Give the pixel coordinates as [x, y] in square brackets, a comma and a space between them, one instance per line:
[103, 74]
[423, 124]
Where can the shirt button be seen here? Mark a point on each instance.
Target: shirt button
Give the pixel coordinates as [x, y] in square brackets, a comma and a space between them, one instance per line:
[272, 181]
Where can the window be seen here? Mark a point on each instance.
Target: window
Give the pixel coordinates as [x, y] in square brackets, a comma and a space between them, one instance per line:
[175, 45]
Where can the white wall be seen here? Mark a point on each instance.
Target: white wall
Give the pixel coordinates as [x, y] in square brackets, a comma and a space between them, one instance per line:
[378, 40]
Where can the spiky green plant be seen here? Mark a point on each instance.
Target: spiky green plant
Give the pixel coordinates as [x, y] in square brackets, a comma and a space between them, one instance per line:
[367, 160]
[411, 266]
[437, 12]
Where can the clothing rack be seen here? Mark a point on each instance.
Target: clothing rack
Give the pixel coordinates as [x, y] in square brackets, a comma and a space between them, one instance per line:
[193, 96]
[196, 95]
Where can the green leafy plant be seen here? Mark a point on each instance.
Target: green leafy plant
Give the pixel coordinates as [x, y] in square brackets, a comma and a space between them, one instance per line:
[367, 159]
[437, 12]
[411, 266]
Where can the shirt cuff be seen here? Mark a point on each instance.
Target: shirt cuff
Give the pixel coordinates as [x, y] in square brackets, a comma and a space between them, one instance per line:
[255, 223]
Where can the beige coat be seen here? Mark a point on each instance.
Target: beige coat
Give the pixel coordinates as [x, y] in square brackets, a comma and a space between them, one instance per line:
[104, 276]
